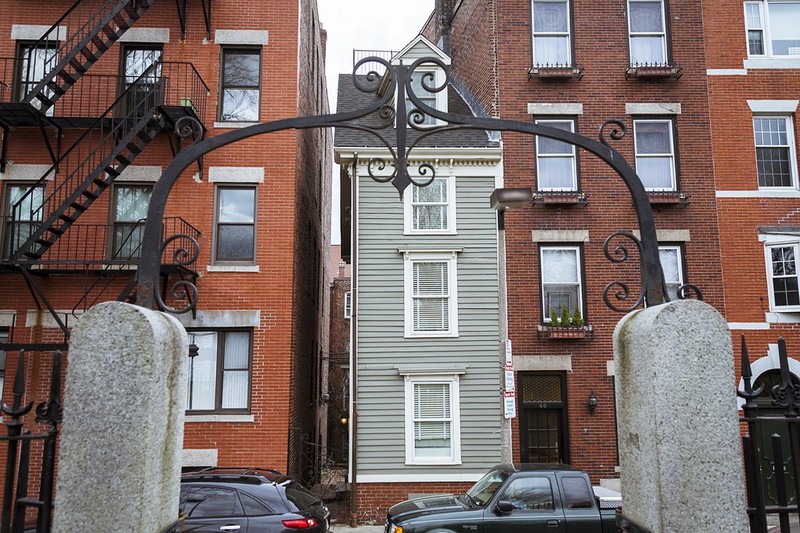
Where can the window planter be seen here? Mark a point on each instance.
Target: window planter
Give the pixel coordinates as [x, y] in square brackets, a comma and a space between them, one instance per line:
[555, 72]
[653, 71]
[668, 197]
[560, 198]
[565, 332]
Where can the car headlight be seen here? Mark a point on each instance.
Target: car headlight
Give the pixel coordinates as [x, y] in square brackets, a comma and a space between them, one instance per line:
[394, 528]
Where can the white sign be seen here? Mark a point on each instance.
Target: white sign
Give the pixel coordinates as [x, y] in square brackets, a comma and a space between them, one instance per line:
[510, 380]
[509, 358]
[510, 403]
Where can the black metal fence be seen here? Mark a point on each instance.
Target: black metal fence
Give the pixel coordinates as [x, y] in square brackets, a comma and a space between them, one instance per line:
[17, 502]
[771, 445]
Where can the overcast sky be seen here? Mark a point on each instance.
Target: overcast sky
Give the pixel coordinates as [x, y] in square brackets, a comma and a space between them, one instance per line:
[364, 25]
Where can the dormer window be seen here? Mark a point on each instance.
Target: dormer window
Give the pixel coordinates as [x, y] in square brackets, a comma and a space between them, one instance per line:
[431, 99]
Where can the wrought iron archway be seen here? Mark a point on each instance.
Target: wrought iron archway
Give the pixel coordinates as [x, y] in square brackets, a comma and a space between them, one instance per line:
[396, 81]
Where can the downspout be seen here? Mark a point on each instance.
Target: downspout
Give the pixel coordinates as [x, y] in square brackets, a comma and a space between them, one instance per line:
[354, 344]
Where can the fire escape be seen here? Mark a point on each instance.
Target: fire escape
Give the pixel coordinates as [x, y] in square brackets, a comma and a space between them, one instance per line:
[48, 89]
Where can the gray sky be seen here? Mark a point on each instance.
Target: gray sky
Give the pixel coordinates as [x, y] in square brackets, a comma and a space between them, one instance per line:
[365, 25]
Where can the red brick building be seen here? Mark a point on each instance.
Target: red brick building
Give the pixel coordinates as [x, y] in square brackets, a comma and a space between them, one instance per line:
[753, 61]
[95, 92]
[574, 64]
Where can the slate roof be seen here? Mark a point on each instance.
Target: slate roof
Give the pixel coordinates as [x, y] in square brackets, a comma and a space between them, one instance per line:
[351, 99]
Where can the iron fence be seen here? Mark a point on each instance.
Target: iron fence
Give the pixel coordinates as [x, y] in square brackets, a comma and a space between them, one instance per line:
[771, 445]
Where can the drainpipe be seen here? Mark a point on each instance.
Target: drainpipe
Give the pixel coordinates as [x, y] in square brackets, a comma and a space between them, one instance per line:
[354, 344]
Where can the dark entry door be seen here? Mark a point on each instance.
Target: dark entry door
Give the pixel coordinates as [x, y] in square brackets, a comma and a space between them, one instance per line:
[542, 424]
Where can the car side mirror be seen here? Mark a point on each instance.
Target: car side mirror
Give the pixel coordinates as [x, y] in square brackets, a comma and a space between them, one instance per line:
[504, 507]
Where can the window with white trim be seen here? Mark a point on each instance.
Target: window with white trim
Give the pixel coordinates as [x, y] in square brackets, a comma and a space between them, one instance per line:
[3, 339]
[430, 77]
[552, 39]
[671, 257]
[348, 309]
[219, 376]
[561, 279]
[784, 286]
[22, 211]
[654, 147]
[776, 159]
[432, 420]
[128, 214]
[431, 303]
[432, 209]
[556, 161]
[647, 33]
[773, 28]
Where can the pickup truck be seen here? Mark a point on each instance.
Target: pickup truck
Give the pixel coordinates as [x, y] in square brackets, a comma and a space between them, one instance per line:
[530, 498]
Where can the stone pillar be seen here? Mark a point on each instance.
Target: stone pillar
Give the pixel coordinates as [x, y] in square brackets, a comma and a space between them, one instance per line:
[120, 455]
[679, 444]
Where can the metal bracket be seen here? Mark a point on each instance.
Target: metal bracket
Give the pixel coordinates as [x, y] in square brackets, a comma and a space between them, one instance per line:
[39, 297]
[181, 5]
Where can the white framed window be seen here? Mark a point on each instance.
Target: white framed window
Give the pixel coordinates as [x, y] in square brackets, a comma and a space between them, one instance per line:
[556, 161]
[773, 28]
[432, 420]
[219, 376]
[348, 309]
[671, 257]
[128, 214]
[776, 158]
[654, 146]
[782, 276]
[431, 296]
[431, 77]
[552, 38]
[647, 33]
[431, 209]
[561, 278]
[24, 221]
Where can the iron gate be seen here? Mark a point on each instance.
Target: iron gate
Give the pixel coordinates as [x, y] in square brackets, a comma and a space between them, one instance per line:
[771, 445]
[19, 439]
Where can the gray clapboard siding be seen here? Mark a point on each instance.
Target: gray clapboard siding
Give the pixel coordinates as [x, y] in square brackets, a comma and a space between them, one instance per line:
[381, 342]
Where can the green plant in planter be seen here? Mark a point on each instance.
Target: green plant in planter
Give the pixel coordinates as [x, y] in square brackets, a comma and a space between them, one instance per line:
[577, 319]
[566, 317]
[553, 318]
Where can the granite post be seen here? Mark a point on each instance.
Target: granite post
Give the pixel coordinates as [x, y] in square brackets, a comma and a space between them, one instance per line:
[679, 443]
[124, 400]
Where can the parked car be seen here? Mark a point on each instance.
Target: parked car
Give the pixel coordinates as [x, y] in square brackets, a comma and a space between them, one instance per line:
[534, 498]
[249, 500]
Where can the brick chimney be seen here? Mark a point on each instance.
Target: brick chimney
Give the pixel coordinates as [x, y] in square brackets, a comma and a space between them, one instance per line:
[443, 11]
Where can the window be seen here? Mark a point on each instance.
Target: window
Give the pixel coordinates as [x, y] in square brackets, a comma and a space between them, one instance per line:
[348, 309]
[428, 98]
[776, 161]
[23, 221]
[556, 164]
[530, 494]
[235, 226]
[432, 420]
[135, 62]
[672, 266]
[210, 502]
[655, 154]
[35, 63]
[432, 208]
[782, 275]
[552, 43]
[3, 339]
[430, 295]
[773, 27]
[241, 85]
[129, 213]
[648, 35]
[219, 376]
[561, 280]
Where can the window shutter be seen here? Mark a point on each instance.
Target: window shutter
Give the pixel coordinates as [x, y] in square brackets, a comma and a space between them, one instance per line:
[431, 411]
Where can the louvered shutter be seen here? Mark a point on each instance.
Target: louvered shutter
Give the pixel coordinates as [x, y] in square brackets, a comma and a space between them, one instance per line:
[431, 296]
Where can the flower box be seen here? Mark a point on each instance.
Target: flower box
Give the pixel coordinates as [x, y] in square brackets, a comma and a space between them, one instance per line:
[565, 332]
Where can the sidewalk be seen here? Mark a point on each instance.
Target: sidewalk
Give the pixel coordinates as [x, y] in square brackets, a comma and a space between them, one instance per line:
[337, 528]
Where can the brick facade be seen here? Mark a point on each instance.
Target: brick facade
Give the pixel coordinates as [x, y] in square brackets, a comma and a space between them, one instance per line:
[287, 292]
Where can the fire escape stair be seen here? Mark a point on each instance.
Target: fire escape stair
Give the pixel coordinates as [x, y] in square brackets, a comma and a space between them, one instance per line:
[97, 181]
[115, 18]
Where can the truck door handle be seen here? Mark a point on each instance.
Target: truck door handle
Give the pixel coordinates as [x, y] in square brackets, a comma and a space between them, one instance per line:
[552, 523]
[230, 528]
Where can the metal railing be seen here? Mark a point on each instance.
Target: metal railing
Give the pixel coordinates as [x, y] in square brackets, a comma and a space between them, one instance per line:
[93, 94]
[358, 55]
[95, 246]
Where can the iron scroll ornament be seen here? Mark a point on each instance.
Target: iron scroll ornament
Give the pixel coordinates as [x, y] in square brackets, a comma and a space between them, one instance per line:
[396, 81]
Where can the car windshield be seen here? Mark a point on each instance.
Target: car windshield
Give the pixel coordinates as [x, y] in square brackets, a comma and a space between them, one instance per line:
[482, 491]
[299, 498]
